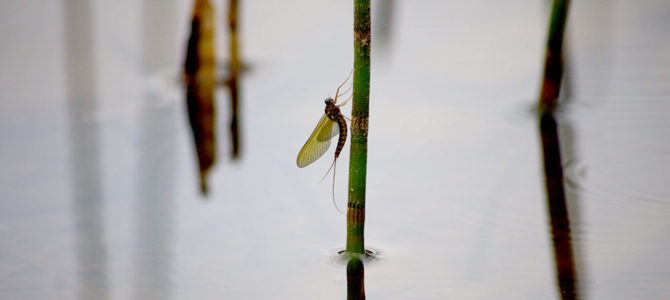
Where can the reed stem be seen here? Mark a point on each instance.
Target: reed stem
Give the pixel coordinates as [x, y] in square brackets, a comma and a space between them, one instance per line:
[200, 74]
[359, 129]
[233, 83]
[553, 67]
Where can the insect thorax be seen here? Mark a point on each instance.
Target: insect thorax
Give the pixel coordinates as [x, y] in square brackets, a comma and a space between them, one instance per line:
[332, 111]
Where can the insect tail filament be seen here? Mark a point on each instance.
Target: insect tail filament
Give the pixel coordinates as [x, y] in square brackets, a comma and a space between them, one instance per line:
[333, 166]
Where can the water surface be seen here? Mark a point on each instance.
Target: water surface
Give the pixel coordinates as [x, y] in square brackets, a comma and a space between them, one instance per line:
[99, 189]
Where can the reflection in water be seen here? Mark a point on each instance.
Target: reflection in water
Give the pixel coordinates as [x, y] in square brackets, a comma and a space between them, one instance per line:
[355, 279]
[569, 157]
[156, 166]
[233, 81]
[383, 24]
[553, 168]
[201, 82]
[155, 206]
[200, 77]
[81, 86]
[558, 211]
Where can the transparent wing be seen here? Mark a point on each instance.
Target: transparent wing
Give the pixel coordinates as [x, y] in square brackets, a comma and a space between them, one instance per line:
[317, 144]
[328, 134]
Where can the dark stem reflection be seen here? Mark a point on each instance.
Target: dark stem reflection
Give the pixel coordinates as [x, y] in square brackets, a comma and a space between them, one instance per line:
[558, 210]
[553, 168]
[382, 25]
[355, 279]
[88, 203]
[233, 81]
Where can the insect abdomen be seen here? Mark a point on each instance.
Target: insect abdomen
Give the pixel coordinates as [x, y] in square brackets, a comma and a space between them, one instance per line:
[343, 135]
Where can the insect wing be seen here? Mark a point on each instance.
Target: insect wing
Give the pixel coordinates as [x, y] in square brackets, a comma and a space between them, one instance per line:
[317, 144]
[326, 135]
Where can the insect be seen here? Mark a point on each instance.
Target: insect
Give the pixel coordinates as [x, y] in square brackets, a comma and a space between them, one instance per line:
[331, 124]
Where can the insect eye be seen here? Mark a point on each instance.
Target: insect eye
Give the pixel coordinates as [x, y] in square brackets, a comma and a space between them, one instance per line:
[328, 100]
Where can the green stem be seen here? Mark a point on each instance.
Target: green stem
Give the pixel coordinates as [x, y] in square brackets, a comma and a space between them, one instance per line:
[359, 129]
[553, 68]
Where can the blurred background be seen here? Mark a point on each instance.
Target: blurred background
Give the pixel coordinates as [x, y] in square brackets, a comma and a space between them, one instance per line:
[99, 189]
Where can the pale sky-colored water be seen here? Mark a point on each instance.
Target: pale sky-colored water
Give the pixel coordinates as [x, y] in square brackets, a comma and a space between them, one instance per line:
[456, 202]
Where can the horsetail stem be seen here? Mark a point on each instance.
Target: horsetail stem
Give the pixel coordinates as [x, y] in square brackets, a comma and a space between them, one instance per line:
[359, 129]
[553, 68]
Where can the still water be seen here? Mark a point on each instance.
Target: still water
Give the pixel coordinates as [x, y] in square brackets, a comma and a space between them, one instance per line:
[99, 191]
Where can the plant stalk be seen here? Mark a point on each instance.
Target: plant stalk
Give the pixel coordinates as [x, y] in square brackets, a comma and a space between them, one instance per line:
[558, 208]
[553, 67]
[359, 129]
[200, 75]
[233, 83]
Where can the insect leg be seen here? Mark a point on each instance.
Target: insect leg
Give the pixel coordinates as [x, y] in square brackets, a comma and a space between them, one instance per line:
[345, 101]
[347, 90]
[337, 92]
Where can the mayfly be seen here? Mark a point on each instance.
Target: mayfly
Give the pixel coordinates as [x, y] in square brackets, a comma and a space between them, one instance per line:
[331, 124]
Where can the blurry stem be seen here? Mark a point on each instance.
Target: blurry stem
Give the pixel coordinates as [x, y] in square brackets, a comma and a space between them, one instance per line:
[359, 129]
[232, 26]
[200, 71]
[551, 85]
[553, 68]
[235, 66]
[558, 210]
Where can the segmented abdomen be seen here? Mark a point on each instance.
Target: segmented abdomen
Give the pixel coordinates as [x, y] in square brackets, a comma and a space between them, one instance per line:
[343, 134]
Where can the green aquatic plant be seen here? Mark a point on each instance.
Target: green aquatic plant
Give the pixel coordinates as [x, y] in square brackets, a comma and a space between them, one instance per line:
[553, 67]
[359, 129]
